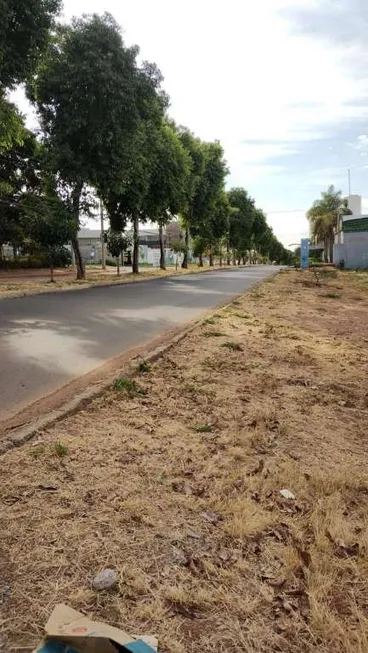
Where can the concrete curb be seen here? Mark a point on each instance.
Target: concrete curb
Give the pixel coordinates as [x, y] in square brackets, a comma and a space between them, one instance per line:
[21, 435]
[24, 434]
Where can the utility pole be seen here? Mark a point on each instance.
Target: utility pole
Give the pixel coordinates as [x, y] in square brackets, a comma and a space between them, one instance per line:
[103, 253]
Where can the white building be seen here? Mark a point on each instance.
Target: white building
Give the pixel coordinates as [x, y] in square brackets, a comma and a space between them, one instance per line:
[351, 238]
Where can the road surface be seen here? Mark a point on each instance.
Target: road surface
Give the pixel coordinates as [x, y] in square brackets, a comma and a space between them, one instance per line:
[48, 340]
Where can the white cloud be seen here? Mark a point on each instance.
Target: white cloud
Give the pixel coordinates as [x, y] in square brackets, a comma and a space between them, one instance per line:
[361, 144]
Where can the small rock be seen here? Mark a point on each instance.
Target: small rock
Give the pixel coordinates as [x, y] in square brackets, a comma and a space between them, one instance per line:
[287, 494]
[105, 579]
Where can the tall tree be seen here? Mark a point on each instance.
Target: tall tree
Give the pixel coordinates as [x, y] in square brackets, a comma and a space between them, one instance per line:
[125, 190]
[191, 215]
[24, 33]
[204, 217]
[170, 170]
[324, 217]
[241, 222]
[88, 92]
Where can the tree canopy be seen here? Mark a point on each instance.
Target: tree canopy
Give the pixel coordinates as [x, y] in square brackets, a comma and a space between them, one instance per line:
[324, 216]
[105, 129]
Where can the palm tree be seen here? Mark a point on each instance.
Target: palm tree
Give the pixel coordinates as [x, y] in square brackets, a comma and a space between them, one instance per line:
[324, 218]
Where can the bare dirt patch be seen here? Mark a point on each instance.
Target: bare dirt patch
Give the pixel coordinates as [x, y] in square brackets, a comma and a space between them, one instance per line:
[175, 481]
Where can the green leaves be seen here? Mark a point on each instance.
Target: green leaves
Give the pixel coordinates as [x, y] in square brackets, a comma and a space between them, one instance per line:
[324, 217]
[117, 242]
[24, 33]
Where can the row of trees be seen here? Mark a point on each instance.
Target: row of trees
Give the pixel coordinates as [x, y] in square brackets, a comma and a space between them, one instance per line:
[105, 132]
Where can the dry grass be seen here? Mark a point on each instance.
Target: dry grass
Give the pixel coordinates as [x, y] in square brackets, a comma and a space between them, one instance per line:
[95, 277]
[178, 488]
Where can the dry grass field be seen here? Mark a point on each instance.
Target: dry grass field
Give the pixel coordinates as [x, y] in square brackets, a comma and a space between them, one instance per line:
[177, 479]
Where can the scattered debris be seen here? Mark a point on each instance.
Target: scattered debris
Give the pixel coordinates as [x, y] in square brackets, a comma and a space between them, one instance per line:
[258, 468]
[212, 516]
[184, 488]
[179, 556]
[105, 579]
[287, 494]
[48, 488]
[69, 631]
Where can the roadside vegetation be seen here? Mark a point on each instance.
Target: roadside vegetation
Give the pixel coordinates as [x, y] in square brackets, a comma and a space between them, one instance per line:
[106, 138]
[226, 485]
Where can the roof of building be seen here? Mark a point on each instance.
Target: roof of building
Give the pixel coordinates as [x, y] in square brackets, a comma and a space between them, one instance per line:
[91, 234]
[356, 224]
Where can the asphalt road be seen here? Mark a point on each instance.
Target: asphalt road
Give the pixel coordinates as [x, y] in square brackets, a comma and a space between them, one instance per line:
[48, 340]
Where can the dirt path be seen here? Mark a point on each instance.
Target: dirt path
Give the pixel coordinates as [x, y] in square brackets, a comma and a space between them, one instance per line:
[174, 480]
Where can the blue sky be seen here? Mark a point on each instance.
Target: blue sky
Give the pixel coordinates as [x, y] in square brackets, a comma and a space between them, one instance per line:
[283, 85]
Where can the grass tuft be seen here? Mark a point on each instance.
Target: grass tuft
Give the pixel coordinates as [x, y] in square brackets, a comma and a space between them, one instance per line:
[60, 449]
[204, 428]
[127, 385]
[213, 334]
[144, 367]
[331, 295]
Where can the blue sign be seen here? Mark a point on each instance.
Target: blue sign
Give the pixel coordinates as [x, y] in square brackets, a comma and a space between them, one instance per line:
[304, 253]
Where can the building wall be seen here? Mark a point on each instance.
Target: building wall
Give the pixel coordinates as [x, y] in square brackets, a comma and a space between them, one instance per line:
[354, 250]
[355, 205]
[173, 233]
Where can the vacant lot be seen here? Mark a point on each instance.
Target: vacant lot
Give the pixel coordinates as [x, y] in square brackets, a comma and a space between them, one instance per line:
[174, 480]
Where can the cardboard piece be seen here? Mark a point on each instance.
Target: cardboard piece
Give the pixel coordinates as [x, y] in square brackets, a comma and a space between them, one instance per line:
[69, 631]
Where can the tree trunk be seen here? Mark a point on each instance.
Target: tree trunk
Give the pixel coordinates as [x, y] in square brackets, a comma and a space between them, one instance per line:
[81, 271]
[244, 260]
[52, 271]
[118, 265]
[162, 248]
[234, 258]
[220, 260]
[228, 258]
[184, 264]
[331, 249]
[211, 259]
[239, 260]
[135, 260]
[200, 260]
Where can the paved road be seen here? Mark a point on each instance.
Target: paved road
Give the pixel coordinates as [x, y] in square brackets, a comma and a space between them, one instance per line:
[47, 340]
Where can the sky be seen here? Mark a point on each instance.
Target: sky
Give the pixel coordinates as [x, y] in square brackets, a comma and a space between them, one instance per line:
[282, 84]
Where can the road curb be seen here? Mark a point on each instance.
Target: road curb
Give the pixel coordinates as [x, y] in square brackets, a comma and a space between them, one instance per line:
[21, 435]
